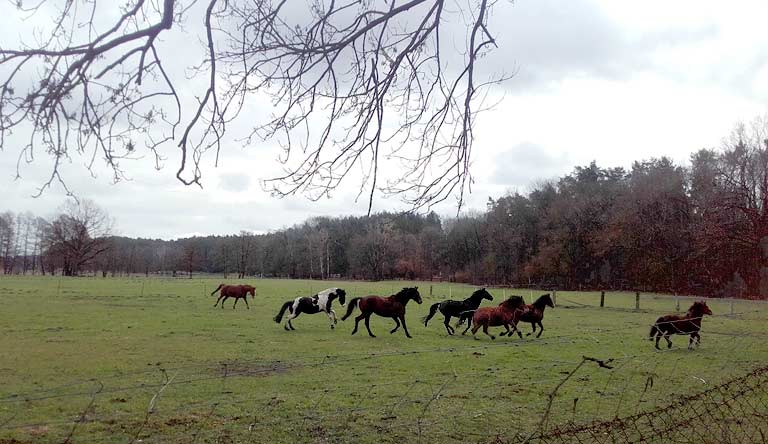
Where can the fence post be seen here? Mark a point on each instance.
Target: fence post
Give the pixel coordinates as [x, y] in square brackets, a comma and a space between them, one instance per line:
[504, 293]
[450, 292]
[602, 299]
[637, 300]
[677, 303]
[554, 298]
[430, 291]
[142, 290]
[731, 306]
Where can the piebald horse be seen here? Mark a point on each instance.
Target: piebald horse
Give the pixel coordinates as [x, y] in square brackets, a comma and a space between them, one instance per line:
[322, 301]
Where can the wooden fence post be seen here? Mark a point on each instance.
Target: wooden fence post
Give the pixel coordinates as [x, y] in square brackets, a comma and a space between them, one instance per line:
[554, 298]
[637, 300]
[731, 306]
[677, 303]
[602, 299]
[430, 291]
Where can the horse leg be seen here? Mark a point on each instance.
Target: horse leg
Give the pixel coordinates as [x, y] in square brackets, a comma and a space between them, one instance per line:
[223, 301]
[469, 324]
[293, 316]
[357, 320]
[397, 324]
[368, 326]
[235, 304]
[448, 328]
[506, 333]
[332, 319]
[245, 299]
[534, 329]
[658, 337]
[698, 339]
[541, 329]
[217, 300]
[485, 330]
[333, 313]
[669, 343]
[405, 327]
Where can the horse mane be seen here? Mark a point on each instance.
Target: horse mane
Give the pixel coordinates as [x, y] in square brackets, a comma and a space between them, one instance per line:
[402, 295]
[513, 302]
[476, 293]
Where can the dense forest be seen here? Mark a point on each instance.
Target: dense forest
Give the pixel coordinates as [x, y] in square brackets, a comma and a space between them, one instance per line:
[700, 228]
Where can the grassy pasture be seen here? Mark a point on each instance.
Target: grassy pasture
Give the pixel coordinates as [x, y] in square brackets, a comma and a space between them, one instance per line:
[150, 360]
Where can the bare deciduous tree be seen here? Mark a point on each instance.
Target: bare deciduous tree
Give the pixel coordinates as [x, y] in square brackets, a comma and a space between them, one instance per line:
[354, 83]
[79, 235]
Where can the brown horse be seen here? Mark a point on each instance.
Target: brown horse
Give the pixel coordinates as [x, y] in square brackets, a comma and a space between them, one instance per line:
[389, 307]
[688, 324]
[534, 313]
[234, 291]
[505, 314]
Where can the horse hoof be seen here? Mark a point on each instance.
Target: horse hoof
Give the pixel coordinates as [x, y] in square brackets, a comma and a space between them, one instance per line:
[493, 337]
[409, 336]
[332, 327]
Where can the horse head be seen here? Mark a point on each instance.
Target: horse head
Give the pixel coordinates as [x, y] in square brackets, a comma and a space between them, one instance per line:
[411, 293]
[341, 294]
[546, 299]
[700, 308]
[482, 294]
[251, 290]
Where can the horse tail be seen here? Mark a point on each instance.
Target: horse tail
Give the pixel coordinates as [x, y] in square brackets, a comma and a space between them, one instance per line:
[464, 315]
[654, 331]
[217, 289]
[285, 306]
[432, 311]
[350, 307]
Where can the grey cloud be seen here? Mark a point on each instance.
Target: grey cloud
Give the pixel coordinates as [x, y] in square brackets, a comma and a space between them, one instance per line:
[523, 164]
[548, 40]
[234, 182]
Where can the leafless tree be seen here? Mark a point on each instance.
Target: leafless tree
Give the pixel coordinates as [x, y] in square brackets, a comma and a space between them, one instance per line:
[79, 235]
[354, 83]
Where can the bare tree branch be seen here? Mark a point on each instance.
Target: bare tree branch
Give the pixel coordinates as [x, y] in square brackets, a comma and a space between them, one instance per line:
[354, 84]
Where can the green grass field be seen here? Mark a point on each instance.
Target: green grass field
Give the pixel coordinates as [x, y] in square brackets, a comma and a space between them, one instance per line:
[150, 360]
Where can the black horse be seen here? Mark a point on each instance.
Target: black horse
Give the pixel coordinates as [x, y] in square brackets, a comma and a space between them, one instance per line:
[451, 308]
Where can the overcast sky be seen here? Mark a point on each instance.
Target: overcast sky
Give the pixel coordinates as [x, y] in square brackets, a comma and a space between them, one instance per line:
[612, 81]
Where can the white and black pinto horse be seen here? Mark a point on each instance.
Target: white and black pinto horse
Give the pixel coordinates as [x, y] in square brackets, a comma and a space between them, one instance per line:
[311, 305]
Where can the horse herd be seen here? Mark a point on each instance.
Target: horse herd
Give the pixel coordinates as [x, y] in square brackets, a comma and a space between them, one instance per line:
[507, 314]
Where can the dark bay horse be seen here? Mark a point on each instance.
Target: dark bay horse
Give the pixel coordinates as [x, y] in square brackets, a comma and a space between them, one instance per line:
[687, 324]
[451, 308]
[389, 307]
[505, 315]
[234, 291]
[322, 301]
[534, 313]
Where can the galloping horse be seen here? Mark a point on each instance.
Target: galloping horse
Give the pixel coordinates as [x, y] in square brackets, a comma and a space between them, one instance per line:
[311, 305]
[534, 313]
[454, 308]
[234, 291]
[688, 324]
[389, 307]
[505, 314]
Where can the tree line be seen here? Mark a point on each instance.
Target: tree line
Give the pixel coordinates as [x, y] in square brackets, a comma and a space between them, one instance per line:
[700, 228]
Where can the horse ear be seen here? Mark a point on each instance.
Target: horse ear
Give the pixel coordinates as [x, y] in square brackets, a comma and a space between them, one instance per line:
[415, 288]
